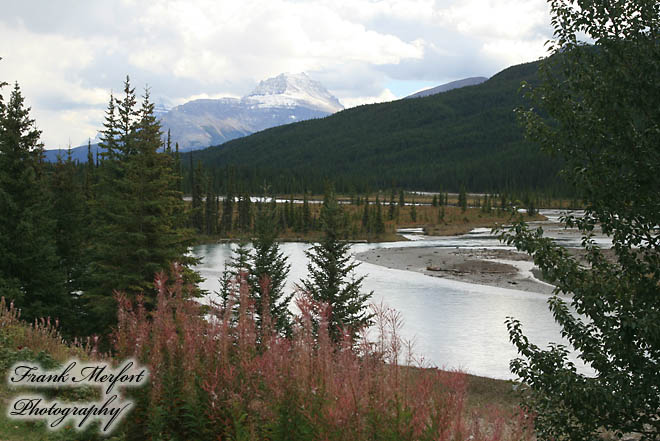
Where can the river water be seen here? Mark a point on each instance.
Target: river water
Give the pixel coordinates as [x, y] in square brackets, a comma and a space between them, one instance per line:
[452, 324]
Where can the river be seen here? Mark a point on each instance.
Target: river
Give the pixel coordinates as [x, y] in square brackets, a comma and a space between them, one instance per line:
[452, 324]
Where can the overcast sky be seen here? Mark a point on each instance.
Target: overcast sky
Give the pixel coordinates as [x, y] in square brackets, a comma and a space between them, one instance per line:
[68, 55]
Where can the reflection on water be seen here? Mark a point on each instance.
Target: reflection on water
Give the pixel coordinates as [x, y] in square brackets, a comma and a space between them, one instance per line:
[453, 324]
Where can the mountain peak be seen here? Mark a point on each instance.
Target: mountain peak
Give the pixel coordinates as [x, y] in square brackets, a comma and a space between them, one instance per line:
[293, 90]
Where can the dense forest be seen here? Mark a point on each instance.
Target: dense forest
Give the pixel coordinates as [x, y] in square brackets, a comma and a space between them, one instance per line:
[72, 233]
[466, 136]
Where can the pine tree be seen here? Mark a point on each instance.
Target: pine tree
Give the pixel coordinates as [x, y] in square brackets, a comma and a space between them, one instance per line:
[268, 272]
[228, 211]
[197, 210]
[462, 199]
[210, 211]
[306, 214]
[89, 173]
[139, 214]
[402, 201]
[331, 275]
[379, 224]
[365, 215]
[69, 213]
[30, 274]
[392, 208]
[413, 211]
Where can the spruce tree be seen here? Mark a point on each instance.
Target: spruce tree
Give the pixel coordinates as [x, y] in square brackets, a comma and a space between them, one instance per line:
[69, 211]
[197, 210]
[366, 225]
[379, 223]
[413, 211]
[306, 214]
[268, 272]
[462, 199]
[331, 275]
[139, 213]
[210, 211]
[30, 274]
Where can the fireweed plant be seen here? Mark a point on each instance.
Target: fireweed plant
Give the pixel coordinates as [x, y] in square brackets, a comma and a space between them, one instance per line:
[215, 375]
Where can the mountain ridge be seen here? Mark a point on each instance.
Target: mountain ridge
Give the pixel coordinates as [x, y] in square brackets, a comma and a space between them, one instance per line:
[467, 136]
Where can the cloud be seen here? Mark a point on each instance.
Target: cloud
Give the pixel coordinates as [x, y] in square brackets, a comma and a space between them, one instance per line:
[68, 55]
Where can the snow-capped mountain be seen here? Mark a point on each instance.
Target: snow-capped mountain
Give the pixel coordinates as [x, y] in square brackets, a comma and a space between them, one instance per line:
[292, 90]
[197, 124]
[283, 99]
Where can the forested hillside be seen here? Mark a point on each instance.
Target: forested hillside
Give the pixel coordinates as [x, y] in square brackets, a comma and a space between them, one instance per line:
[467, 136]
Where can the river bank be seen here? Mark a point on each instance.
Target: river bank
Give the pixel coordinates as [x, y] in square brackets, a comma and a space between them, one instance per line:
[491, 267]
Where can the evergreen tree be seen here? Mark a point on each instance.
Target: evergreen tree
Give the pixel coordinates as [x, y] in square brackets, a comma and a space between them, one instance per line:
[392, 208]
[435, 200]
[462, 199]
[90, 180]
[245, 213]
[402, 201]
[197, 210]
[331, 274]
[306, 214]
[139, 213]
[379, 224]
[69, 214]
[413, 211]
[268, 272]
[126, 124]
[228, 211]
[30, 274]
[365, 215]
[210, 211]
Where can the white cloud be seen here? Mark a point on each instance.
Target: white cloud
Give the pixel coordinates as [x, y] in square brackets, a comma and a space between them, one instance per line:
[69, 55]
[385, 95]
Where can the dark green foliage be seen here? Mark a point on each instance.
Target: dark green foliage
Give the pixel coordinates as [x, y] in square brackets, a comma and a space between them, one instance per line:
[71, 222]
[603, 108]
[30, 271]
[365, 214]
[245, 213]
[227, 212]
[392, 208]
[198, 185]
[467, 135]
[413, 211]
[331, 275]
[268, 272]
[138, 212]
[379, 223]
[462, 199]
[307, 214]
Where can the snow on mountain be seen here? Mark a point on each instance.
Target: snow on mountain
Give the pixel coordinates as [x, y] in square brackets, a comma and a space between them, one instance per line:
[291, 90]
[283, 99]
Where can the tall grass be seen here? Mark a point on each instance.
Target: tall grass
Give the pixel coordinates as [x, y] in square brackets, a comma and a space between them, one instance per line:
[42, 335]
[215, 375]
